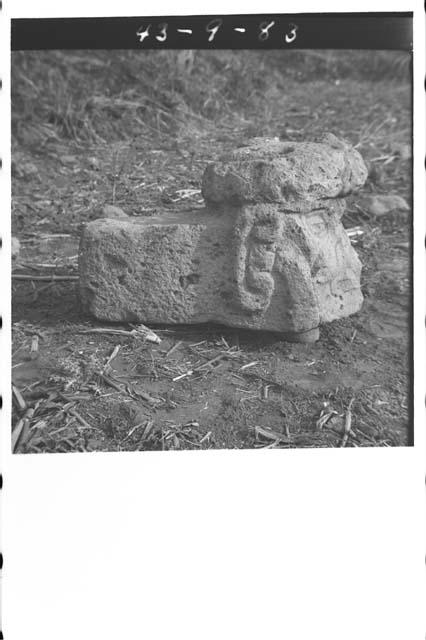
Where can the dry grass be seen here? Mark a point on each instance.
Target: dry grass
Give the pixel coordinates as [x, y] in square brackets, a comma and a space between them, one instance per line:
[103, 96]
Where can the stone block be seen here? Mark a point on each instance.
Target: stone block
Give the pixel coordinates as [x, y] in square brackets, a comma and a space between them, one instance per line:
[261, 255]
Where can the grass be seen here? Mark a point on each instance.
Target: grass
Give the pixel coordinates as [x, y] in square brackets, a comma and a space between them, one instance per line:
[104, 96]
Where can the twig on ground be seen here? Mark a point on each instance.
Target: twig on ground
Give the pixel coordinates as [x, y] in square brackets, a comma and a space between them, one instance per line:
[82, 421]
[173, 348]
[269, 434]
[247, 366]
[126, 389]
[183, 375]
[145, 424]
[250, 364]
[20, 430]
[205, 437]
[210, 362]
[107, 365]
[147, 333]
[348, 422]
[224, 342]
[324, 417]
[34, 347]
[22, 405]
[115, 332]
[111, 383]
[54, 278]
[138, 332]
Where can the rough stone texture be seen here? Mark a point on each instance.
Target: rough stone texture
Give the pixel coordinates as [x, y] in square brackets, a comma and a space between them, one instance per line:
[297, 175]
[269, 251]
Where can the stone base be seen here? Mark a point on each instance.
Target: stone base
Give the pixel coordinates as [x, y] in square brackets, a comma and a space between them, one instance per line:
[248, 267]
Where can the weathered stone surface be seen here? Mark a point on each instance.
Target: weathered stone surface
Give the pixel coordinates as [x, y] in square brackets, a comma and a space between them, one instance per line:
[297, 175]
[252, 268]
[268, 265]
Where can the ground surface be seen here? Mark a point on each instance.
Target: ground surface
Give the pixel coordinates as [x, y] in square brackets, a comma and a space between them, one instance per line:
[351, 388]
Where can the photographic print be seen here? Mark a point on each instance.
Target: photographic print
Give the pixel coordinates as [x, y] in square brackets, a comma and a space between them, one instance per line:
[212, 342]
[212, 246]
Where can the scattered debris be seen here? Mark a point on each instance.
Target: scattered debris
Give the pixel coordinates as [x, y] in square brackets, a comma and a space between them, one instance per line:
[17, 397]
[140, 331]
[15, 248]
[325, 416]
[173, 348]
[20, 430]
[183, 375]
[186, 193]
[52, 277]
[250, 364]
[354, 233]
[269, 434]
[34, 347]
[111, 358]
[348, 422]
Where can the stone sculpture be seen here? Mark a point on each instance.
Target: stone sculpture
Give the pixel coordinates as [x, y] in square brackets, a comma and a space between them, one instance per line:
[267, 252]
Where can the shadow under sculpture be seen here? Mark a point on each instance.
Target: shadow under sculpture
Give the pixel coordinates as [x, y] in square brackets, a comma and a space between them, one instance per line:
[267, 252]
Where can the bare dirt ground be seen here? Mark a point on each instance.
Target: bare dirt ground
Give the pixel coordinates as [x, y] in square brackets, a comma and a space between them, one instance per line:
[246, 389]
